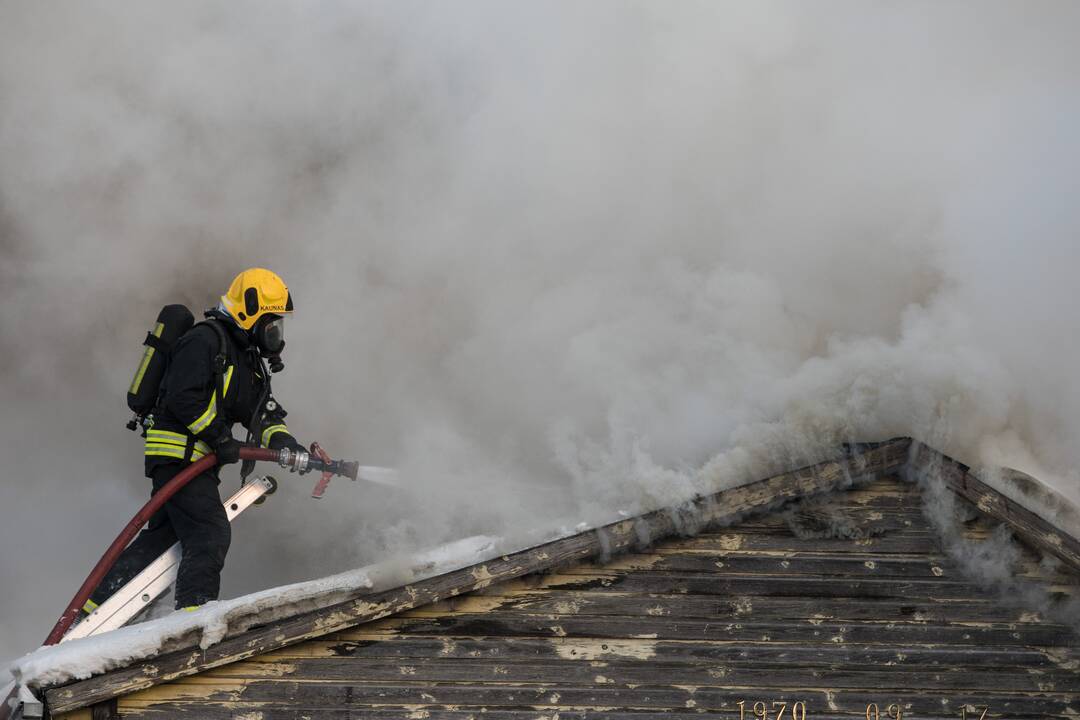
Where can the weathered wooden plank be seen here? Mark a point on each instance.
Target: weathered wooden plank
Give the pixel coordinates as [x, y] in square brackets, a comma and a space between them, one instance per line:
[81, 714]
[893, 493]
[630, 672]
[851, 552]
[849, 565]
[745, 607]
[737, 540]
[354, 643]
[888, 519]
[809, 631]
[718, 509]
[193, 690]
[763, 565]
[348, 694]
[774, 528]
[1027, 525]
[847, 568]
[288, 711]
[769, 586]
[557, 583]
[887, 500]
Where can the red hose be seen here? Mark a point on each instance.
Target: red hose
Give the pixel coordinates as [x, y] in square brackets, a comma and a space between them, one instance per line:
[141, 518]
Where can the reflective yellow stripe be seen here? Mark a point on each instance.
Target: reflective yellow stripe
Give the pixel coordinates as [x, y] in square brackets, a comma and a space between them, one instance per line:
[89, 606]
[208, 416]
[164, 443]
[199, 444]
[269, 433]
[166, 437]
[149, 353]
[190, 608]
[176, 451]
[165, 451]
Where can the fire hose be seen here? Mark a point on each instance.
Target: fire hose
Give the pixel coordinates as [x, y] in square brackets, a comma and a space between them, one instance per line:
[296, 461]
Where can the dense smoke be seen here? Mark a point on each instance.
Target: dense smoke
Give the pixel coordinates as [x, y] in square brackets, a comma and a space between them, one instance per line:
[549, 259]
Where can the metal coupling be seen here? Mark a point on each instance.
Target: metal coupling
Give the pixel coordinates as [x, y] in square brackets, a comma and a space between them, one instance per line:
[294, 461]
[302, 459]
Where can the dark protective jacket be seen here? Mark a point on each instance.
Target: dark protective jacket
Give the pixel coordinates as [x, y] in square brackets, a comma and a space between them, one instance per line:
[189, 418]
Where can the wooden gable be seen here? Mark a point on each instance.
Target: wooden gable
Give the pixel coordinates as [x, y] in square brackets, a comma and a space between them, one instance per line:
[843, 605]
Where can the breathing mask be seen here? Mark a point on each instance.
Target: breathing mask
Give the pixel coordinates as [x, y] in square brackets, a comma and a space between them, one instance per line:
[269, 336]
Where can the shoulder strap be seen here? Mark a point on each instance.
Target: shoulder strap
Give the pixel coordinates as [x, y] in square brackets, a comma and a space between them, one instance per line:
[258, 415]
[220, 362]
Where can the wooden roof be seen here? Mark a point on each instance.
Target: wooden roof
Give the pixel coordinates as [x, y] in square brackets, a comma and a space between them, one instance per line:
[673, 613]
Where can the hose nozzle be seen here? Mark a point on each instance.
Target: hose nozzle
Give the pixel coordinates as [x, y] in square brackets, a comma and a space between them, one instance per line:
[349, 468]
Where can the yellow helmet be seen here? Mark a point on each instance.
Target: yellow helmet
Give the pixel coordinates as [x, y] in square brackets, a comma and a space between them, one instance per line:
[254, 293]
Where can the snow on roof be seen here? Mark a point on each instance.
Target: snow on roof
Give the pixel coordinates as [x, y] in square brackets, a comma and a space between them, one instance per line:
[86, 657]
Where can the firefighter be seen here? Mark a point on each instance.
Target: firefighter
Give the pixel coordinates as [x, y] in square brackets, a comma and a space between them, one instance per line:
[215, 378]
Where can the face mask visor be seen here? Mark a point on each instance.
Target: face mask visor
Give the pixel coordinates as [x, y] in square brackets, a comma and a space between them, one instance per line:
[271, 335]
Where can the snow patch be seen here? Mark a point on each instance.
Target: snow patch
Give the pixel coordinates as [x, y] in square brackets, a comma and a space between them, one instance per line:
[85, 657]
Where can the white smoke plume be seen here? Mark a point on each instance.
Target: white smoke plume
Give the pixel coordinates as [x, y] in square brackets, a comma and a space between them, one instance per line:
[549, 259]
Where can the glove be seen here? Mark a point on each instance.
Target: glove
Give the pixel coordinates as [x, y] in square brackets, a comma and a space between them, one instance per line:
[227, 450]
[294, 445]
[285, 440]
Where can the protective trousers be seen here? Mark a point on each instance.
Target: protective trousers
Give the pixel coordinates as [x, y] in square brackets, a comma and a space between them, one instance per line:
[195, 517]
